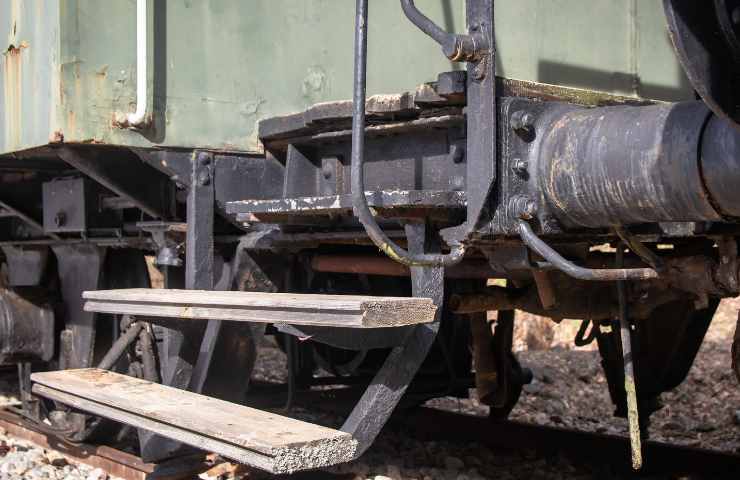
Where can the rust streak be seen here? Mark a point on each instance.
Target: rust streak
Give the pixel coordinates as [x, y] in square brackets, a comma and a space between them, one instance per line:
[13, 94]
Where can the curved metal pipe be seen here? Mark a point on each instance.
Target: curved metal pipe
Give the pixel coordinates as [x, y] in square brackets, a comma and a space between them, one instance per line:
[458, 48]
[139, 118]
[359, 201]
[569, 268]
[425, 24]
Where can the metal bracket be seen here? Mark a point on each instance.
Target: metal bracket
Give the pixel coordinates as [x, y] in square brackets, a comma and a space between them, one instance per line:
[390, 383]
[164, 235]
[26, 266]
[79, 270]
[481, 123]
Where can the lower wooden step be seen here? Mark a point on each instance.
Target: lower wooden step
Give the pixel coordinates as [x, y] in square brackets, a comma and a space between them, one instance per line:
[254, 437]
[347, 311]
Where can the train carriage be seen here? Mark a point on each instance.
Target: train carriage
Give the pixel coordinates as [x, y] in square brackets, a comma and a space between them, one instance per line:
[347, 177]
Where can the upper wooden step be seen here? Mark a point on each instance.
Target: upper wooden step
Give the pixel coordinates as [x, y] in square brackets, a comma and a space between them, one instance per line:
[349, 311]
[264, 440]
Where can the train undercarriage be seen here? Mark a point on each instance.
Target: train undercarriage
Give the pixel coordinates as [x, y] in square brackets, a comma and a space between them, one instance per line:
[617, 211]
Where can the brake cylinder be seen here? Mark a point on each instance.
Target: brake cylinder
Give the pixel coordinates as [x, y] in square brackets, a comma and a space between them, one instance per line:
[26, 329]
[622, 165]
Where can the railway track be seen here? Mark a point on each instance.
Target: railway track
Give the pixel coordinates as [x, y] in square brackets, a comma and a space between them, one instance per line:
[605, 452]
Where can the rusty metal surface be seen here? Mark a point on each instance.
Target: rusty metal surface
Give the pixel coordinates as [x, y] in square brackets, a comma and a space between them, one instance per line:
[377, 265]
[29, 32]
[115, 462]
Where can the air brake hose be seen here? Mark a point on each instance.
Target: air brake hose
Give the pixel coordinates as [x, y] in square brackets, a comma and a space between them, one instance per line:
[359, 201]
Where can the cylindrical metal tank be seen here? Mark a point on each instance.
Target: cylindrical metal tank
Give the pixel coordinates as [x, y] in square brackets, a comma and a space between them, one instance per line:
[630, 165]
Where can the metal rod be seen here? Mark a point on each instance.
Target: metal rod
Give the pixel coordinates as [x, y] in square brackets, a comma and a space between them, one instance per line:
[424, 24]
[380, 265]
[633, 416]
[647, 255]
[458, 48]
[148, 360]
[119, 346]
[359, 201]
[573, 270]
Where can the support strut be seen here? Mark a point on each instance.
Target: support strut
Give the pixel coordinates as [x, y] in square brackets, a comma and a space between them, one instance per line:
[629, 369]
[390, 383]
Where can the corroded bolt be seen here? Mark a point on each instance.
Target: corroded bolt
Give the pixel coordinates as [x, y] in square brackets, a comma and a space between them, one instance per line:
[529, 209]
[522, 121]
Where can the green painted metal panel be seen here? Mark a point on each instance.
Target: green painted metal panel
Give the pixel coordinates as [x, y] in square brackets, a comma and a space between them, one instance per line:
[616, 46]
[218, 66]
[28, 74]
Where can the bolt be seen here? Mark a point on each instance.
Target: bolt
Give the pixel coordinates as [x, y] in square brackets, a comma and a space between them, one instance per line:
[457, 152]
[204, 159]
[60, 219]
[522, 121]
[520, 166]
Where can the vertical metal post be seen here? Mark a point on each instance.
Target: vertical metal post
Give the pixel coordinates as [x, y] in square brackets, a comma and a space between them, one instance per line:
[629, 371]
[186, 362]
[29, 403]
[481, 114]
[199, 257]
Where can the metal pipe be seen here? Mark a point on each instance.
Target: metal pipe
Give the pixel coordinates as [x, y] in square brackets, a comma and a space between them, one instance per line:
[380, 265]
[458, 48]
[569, 268]
[359, 201]
[647, 255]
[424, 24]
[120, 346]
[630, 391]
[140, 117]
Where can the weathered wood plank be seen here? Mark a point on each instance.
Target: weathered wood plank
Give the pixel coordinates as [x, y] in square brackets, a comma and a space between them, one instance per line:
[255, 437]
[348, 311]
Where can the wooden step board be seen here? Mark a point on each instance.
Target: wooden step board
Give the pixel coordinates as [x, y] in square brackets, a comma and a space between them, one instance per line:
[349, 311]
[254, 437]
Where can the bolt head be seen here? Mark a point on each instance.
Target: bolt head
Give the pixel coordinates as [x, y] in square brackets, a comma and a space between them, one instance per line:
[522, 120]
[204, 159]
